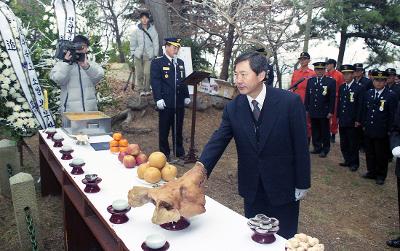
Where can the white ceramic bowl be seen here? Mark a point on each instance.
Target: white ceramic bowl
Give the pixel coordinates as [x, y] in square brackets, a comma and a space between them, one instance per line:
[77, 162]
[66, 148]
[57, 136]
[155, 241]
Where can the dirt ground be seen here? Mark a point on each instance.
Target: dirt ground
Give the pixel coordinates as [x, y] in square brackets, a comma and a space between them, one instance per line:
[343, 210]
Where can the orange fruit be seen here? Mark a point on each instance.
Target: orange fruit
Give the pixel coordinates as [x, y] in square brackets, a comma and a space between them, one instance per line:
[123, 142]
[114, 149]
[114, 143]
[117, 136]
[122, 149]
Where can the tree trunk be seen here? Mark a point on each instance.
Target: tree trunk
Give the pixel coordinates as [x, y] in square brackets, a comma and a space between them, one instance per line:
[119, 45]
[159, 11]
[308, 25]
[227, 53]
[342, 46]
[278, 70]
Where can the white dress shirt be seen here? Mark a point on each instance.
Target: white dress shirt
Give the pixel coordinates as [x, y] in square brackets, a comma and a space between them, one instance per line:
[260, 98]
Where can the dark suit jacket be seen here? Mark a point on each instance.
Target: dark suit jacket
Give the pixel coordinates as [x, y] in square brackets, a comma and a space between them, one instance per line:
[270, 78]
[280, 159]
[320, 97]
[162, 80]
[349, 104]
[377, 115]
[395, 138]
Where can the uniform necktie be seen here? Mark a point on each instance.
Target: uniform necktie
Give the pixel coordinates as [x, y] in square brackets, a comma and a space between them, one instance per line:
[256, 110]
[376, 95]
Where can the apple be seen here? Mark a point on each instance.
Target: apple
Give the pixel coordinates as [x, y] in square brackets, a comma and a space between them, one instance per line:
[169, 172]
[133, 149]
[141, 158]
[129, 161]
[121, 156]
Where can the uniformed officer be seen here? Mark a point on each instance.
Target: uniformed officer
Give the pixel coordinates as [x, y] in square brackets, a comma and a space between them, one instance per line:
[395, 146]
[391, 81]
[378, 109]
[170, 95]
[348, 114]
[320, 104]
[360, 78]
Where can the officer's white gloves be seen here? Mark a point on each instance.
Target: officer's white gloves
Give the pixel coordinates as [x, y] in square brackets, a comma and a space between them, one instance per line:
[161, 104]
[396, 152]
[187, 101]
[299, 194]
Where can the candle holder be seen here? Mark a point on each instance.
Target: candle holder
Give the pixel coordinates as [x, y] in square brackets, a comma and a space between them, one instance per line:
[66, 152]
[77, 165]
[50, 132]
[181, 224]
[91, 181]
[58, 139]
[264, 228]
[118, 213]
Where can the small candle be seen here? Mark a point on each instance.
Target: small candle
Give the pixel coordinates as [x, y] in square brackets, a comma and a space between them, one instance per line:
[77, 162]
[66, 148]
[58, 136]
[120, 205]
[155, 241]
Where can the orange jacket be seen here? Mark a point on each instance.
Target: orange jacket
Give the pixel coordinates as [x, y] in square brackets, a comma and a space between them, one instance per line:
[338, 76]
[297, 75]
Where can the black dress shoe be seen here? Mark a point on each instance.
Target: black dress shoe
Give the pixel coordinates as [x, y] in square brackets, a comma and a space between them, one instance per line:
[322, 155]
[368, 176]
[315, 152]
[380, 181]
[344, 164]
[353, 168]
[394, 243]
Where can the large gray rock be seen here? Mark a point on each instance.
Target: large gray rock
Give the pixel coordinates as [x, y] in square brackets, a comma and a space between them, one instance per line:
[203, 102]
[219, 102]
[137, 103]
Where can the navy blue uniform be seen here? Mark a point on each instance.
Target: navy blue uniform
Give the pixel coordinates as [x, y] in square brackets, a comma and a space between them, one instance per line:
[272, 162]
[166, 83]
[319, 102]
[365, 82]
[394, 88]
[348, 113]
[377, 120]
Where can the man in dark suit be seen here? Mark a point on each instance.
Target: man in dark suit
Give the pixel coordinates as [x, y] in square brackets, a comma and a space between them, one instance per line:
[378, 109]
[170, 95]
[269, 129]
[395, 146]
[320, 105]
[348, 114]
[359, 77]
[391, 81]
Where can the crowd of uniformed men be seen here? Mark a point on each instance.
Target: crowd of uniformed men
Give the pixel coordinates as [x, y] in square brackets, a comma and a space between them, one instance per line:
[362, 108]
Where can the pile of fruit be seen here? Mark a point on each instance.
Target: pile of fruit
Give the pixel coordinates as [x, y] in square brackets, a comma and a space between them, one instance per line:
[157, 168]
[118, 143]
[303, 242]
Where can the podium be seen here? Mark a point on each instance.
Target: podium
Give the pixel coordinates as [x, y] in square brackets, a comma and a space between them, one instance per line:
[194, 79]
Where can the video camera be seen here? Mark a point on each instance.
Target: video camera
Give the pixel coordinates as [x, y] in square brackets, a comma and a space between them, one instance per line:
[63, 46]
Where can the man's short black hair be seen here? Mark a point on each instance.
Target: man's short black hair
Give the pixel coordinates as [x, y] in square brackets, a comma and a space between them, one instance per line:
[258, 63]
[81, 39]
[331, 61]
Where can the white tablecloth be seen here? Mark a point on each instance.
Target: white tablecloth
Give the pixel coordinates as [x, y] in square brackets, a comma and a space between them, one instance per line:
[219, 228]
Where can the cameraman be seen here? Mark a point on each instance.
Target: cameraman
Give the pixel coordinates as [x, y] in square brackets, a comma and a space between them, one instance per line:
[77, 78]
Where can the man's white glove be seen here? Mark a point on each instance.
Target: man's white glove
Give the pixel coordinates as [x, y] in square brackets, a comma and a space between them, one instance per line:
[187, 101]
[299, 194]
[396, 152]
[161, 104]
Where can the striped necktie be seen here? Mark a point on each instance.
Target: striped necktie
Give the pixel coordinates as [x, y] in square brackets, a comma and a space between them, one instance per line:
[256, 110]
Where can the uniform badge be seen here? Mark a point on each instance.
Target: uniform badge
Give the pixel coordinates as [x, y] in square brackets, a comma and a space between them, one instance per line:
[165, 68]
[351, 96]
[181, 67]
[325, 90]
[382, 105]
[166, 75]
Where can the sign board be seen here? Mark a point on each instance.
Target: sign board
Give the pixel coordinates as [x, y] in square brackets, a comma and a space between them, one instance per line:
[217, 87]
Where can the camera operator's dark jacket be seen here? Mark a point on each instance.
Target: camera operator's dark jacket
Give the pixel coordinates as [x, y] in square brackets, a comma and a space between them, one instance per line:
[78, 86]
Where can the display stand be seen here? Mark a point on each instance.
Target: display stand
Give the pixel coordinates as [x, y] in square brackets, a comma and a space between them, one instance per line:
[194, 79]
